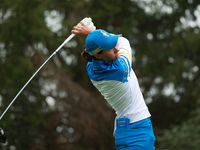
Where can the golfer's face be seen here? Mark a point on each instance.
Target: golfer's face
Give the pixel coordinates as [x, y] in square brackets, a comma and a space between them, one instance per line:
[110, 55]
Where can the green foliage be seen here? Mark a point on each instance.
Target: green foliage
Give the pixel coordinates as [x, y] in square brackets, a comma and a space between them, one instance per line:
[182, 137]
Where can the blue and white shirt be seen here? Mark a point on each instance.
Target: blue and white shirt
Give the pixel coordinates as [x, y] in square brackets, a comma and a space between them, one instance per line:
[117, 82]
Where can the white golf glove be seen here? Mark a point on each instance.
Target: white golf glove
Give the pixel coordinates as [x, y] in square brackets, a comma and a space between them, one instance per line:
[88, 22]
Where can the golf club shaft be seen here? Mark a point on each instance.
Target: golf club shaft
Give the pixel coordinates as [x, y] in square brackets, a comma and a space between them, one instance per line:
[67, 40]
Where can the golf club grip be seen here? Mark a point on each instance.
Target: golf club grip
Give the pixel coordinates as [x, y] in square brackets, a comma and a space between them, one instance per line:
[67, 40]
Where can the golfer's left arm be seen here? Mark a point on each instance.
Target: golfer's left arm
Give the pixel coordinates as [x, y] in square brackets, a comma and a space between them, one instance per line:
[125, 49]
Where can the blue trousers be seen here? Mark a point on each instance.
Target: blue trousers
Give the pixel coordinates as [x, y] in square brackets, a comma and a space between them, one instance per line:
[138, 136]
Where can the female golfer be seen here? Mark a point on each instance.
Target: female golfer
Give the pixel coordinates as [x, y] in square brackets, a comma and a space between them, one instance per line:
[109, 59]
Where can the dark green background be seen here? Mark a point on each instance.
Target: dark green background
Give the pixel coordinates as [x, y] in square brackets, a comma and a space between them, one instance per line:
[166, 61]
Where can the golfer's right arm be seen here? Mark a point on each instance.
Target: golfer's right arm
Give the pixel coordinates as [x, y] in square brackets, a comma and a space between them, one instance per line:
[82, 30]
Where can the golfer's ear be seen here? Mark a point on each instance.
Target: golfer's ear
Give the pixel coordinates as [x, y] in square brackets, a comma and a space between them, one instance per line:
[98, 56]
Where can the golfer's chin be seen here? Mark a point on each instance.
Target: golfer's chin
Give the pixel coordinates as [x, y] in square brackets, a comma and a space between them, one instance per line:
[111, 59]
[117, 56]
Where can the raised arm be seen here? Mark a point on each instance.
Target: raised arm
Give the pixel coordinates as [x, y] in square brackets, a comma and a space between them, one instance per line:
[82, 30]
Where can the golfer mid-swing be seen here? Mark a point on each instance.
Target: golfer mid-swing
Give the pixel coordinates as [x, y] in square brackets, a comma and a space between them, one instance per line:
[109, 69]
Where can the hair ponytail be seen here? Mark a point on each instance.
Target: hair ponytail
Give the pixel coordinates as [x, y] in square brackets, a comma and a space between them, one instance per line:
[86, 56]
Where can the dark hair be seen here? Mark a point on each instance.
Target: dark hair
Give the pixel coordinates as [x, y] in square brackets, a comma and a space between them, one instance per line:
[87, 57]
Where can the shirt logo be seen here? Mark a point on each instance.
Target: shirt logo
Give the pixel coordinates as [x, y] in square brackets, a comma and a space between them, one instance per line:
[104, 34]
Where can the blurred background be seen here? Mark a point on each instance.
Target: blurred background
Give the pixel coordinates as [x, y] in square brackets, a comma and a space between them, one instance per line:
[60, 109]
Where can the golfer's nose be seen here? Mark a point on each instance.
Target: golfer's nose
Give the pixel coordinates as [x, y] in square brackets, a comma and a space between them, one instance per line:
[116, 50]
